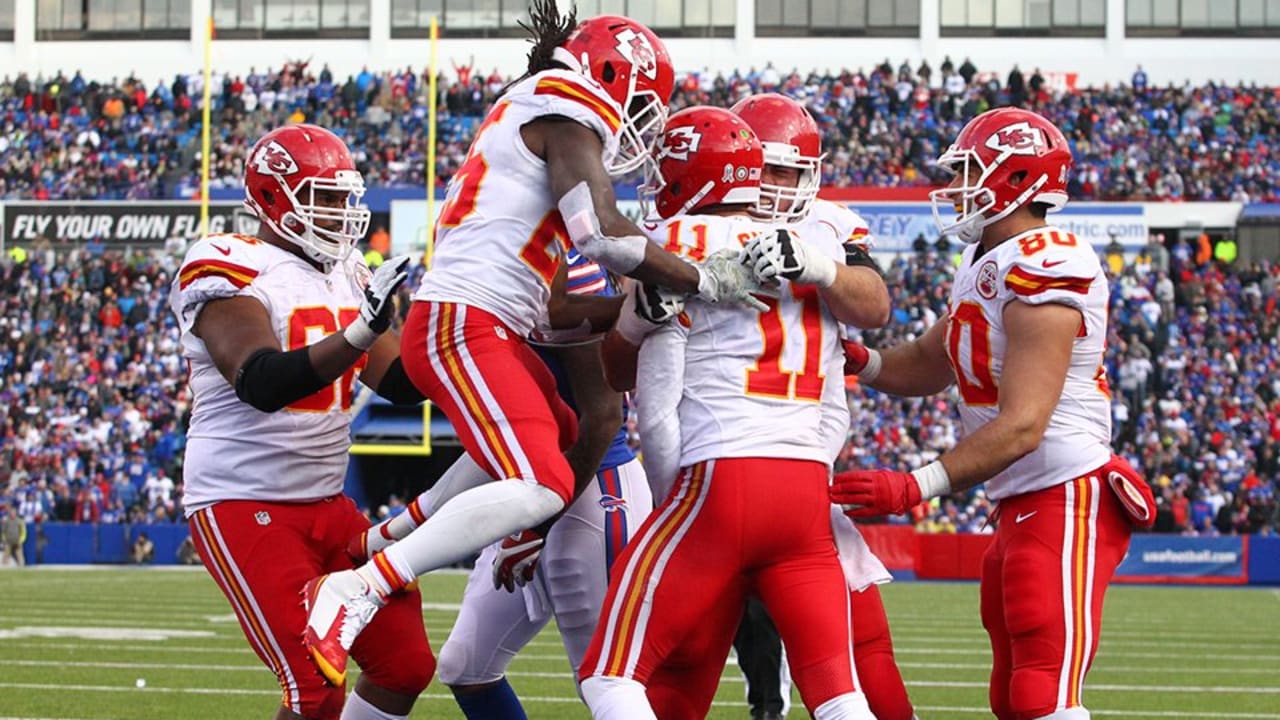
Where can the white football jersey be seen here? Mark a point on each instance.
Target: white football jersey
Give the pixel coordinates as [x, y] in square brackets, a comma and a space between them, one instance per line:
[845, 223]
[753, 382]
[235, 451]
[1045, 265]
[499, 237]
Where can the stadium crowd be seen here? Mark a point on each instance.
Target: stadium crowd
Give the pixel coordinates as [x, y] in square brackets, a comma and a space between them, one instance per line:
[74, 137]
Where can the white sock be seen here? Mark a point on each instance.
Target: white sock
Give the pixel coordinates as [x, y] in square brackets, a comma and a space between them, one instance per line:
[357, 708]
[470, 521]
[850, 706]
[463, 474]
[615, 698]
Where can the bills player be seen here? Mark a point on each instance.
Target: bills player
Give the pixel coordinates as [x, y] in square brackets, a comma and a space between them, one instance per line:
[277, 328]
[1024, 340]
[789, 194]
[537, 178]
[748, 513]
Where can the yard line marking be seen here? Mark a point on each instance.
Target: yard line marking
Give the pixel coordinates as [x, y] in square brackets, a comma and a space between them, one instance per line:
[1094, 687]
[1105, 653]
[1107, 641]
[256, 667]
[1120, 713]
[87, 632]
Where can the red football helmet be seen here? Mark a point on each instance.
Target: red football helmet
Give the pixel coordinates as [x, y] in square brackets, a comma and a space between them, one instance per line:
[632, 65]
[990, 150]
[791, 139]
[283, 174]
[705, 156]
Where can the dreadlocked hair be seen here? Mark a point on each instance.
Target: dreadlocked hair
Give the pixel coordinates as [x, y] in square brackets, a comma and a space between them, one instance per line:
[548, 30]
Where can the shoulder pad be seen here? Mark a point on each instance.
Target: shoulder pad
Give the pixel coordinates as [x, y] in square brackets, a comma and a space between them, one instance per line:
[232, 259]
[1050, 265]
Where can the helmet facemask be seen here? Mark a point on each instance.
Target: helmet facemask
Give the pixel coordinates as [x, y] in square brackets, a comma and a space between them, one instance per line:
[642, 122]
[305, 224]
[972, 200]
[781, 203]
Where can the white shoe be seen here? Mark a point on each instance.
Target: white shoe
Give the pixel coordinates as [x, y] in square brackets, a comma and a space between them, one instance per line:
[339, 605]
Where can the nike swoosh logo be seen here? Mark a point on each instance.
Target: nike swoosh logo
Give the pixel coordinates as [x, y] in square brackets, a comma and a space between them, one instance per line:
[1022, 517]
[1046, 264]
[219, 248]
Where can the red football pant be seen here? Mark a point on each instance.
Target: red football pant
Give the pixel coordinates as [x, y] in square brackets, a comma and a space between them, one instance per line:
[728, 528]
[873, 657]
[1043, 580]
[499, 395]
[261, 554]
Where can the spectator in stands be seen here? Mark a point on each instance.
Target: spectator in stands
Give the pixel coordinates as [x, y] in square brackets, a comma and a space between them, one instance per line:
[75, 139]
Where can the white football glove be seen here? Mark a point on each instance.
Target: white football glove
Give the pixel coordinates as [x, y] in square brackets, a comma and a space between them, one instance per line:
[375, 311]
[645, 309]
[780, 254]
[724, 278]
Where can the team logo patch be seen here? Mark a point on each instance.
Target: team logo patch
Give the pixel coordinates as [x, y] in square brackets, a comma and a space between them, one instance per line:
[636, 49]
[986, 283]
[273, 159]
[1018, 139]
[263, 517]
[679, 142]
[612, 503]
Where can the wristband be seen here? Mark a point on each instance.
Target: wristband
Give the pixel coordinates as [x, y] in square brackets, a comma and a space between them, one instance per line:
[824, 275]
[933, 480]
[359, 335]
[872, 369]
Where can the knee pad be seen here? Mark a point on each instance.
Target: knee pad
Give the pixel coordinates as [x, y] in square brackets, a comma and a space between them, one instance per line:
[410, 674]
[849, 706]
[452, 663]
[615, 698]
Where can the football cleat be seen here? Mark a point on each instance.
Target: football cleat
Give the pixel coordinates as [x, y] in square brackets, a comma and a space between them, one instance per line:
[339, 605]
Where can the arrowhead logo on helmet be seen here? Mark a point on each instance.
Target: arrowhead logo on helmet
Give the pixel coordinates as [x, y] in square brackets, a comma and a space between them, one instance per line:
[679, 142]
[1018, 139]
[273, 159]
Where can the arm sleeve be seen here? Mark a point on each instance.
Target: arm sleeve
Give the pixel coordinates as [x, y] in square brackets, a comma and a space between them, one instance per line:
[661, 365]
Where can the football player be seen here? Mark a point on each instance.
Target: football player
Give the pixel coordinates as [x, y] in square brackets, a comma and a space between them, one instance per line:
[536, 180]
[567, 577]
[789, 193]
[748, 512]
[277, 328]
[1023, 340]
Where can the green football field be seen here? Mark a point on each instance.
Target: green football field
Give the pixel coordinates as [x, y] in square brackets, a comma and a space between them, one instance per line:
[76, 643]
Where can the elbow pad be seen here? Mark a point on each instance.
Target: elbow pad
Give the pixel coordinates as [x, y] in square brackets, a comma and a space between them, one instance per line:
[271, 379]
[397, 387]
[620, 255]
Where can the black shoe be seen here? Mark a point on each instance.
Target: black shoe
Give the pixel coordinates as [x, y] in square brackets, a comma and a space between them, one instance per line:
[766, 716]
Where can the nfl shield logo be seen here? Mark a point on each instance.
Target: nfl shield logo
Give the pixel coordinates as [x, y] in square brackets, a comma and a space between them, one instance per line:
[262, 517]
